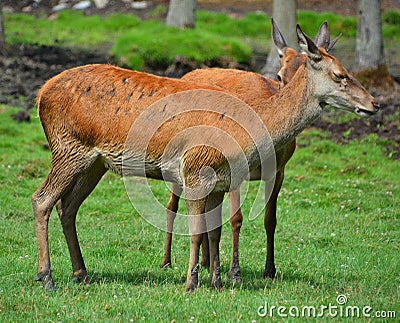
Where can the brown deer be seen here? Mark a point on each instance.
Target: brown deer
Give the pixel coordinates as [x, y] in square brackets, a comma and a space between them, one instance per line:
[253, 89]
[87, 114]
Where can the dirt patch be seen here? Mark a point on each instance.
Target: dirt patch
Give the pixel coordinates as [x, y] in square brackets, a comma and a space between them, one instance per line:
[383, 125]
[27, 67]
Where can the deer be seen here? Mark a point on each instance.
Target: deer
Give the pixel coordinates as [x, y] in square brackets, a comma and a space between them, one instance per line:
[252, 88]
[88, 112]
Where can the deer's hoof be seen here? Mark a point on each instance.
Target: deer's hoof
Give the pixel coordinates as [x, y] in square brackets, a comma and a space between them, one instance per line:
[191, 287]
[193, 280]
[166, 263]
[216, 282]
[80, 277]
[234, 275]
[270, 271]
[46, 279]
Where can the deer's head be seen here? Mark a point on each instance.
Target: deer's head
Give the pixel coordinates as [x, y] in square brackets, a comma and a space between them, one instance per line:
[291, 59]
[333, 84]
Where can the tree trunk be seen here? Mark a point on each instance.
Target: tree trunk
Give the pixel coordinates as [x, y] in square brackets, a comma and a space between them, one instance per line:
[284, 14]
[370, 68]
[369, 48]
[181, 13]
[2, 35]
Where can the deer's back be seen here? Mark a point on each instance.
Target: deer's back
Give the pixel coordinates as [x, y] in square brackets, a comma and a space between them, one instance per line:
[102, 101]
[252, 88]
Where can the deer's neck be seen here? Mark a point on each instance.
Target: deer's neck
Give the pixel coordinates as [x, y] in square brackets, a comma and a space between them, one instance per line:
[291, 110]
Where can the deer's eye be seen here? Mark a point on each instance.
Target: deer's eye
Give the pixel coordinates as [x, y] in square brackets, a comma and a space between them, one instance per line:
[338, 76]
[278, 77]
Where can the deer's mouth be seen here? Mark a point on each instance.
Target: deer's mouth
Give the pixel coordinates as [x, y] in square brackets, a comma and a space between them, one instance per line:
[363, 112]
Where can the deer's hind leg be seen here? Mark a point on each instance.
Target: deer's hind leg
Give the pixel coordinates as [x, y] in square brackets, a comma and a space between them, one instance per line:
[205, 216]
[172, 209]
[236, 220]
[66, 167]
[67, 208]
[214, 226]
[197, 226]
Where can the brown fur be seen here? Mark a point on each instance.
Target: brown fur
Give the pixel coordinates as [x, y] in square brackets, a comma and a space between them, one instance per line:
[253, 89]
[87, 113]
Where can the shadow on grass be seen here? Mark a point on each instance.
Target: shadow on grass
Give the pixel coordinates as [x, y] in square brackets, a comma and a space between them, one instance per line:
[138, 277]
[251, 279]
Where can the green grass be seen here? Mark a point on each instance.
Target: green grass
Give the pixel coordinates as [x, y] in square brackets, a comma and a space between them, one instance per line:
[310, 21]
[70, 28]
[137, 43]
[131, 41]
[253, 25]
[157, 45]
[338, 233]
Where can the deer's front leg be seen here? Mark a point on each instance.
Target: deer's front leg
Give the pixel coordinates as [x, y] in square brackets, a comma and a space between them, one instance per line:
[270, 225]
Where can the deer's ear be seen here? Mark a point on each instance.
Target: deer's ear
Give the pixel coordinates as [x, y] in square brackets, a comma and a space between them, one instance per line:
[278, 38]
[307, 45]
[333, 42]
[323, 37]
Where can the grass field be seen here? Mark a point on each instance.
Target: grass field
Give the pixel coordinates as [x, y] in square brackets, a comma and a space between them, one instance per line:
[337, 234]
[338, 213]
